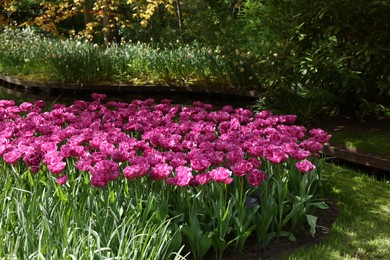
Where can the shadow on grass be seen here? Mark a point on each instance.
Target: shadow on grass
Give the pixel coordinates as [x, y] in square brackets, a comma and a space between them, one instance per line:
[363, 229]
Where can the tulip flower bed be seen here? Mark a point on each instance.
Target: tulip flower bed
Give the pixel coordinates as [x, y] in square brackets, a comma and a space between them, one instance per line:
[220, 176]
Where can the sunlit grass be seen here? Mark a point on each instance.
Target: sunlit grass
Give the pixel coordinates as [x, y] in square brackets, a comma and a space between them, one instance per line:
[364, 141]
[363, 228]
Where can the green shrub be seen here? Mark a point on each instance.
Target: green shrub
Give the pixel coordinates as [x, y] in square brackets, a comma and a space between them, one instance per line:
[336, 48]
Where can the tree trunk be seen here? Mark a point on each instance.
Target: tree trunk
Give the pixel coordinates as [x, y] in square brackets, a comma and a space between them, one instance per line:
[110, 33]
[107, 35]
[87, 12]
[179, 17]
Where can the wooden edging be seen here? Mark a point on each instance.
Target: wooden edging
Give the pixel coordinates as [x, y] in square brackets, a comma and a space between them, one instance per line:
[46, 86]
[356, 157]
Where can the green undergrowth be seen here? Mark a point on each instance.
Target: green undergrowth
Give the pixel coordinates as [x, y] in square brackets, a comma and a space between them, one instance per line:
[29, 55]
[363, 229]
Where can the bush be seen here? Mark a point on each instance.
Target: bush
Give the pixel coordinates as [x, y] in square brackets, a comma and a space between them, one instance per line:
[338, 48]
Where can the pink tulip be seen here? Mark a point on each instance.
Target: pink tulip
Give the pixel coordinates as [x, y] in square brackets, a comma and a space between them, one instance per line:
[143, 137]
[256, 177]
[305, 166]
[62, 180]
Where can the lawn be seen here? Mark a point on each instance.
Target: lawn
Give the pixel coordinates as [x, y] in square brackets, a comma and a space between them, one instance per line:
[363, 229]
[376, 142]
[359, 134]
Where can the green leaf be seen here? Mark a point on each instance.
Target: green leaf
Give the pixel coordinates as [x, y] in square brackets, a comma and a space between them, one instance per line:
[112, 196]
[189, 233]
[312, 221]
[320, 205]
[205, 244]
[292, 238]
[285, 234]
[175, 242]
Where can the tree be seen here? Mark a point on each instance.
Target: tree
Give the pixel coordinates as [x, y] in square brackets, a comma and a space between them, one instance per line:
[7, 9]
[146, 8]
[337, 49]
[101, 19]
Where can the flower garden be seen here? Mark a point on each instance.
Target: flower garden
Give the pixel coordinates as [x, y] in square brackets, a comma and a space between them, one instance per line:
[194, 180]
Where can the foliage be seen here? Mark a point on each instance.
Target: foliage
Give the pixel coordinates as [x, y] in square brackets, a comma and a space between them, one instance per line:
[147, 8]
[88, 19]
[22, 52]
[332, 47]
[329, 56]
[12, 11]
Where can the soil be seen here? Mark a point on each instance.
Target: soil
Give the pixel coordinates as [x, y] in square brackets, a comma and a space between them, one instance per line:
[278, 249]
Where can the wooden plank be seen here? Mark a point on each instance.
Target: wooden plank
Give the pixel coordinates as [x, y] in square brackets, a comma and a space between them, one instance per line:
[356, 157]
[134, 88]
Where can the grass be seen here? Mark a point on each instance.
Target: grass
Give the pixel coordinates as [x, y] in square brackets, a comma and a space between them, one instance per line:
[363, 228]
[29, 55]
[364, 141]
